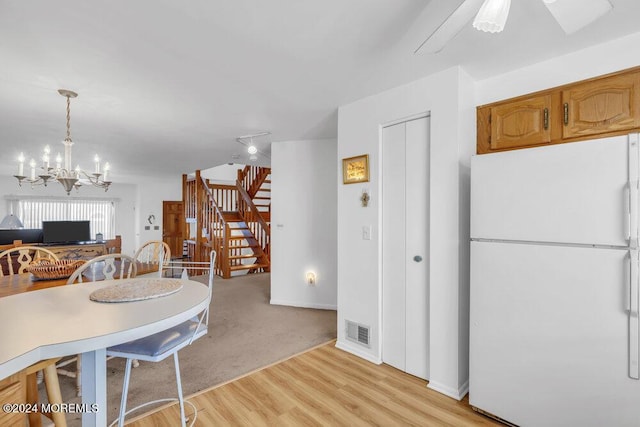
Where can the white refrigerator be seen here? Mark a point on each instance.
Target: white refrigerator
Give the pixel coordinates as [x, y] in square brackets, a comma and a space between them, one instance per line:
[554, 284]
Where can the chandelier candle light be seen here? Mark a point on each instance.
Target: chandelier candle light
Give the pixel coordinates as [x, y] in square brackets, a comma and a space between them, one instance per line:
[69, 178]
[492, 16]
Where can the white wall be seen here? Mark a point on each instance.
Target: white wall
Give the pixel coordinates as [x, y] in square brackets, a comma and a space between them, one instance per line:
[448, 97]
[303, 223]
[223, 174]
[151, 192]
[583, 64]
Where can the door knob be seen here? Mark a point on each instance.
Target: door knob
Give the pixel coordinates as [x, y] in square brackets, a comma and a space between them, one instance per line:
[417, 258]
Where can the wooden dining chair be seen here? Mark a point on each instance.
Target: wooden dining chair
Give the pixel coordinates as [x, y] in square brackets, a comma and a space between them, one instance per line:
[104, 267]
[113, 246]
[154, 252]
[16, 260]
[161, 345]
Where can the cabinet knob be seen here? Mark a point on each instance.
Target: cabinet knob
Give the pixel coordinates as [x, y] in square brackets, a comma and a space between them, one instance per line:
[417, 258]
[566, 113]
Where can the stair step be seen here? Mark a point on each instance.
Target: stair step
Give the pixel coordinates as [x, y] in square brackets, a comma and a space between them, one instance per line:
[231, 216]
[261, 198]
[266, 181]
[243, 247]
[251, 237]
[247, 266]
[242, 256]
[264, 189]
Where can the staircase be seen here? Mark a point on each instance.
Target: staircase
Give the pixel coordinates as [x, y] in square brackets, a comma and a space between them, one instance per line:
[232, 220]
[257, 183]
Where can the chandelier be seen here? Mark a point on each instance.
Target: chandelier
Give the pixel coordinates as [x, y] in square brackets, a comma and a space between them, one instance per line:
[68, 177]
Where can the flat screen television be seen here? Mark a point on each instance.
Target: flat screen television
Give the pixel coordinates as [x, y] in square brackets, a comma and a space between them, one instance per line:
[65, 231]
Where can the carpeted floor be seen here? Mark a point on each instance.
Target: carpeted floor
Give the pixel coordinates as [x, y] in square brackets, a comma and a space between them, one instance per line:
[245, 333]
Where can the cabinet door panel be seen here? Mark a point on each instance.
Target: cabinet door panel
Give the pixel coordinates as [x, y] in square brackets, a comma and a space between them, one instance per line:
[606, 105]
[521, 123]
[13, 391]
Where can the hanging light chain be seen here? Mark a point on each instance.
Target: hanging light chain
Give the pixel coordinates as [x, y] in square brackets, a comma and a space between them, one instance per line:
[68, 118]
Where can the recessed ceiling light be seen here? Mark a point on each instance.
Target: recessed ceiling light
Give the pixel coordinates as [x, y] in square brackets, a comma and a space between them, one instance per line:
[252, 149]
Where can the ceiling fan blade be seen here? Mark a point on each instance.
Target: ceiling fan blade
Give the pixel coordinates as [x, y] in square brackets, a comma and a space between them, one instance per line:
[450, 27]
[575, 14]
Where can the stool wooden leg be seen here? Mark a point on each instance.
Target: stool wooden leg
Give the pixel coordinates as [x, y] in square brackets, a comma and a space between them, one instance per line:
[79, 376]
[53, 392]
[32, 398]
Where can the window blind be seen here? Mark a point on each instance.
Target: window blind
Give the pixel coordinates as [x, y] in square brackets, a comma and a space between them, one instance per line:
[99, 213]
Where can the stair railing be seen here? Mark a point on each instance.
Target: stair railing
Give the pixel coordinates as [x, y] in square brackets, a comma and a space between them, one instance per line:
[225, 196]
[255, 222]
[252, 178]
[217, 230]
[189, 197]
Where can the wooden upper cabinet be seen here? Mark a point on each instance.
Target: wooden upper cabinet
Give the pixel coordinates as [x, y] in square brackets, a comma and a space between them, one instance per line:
[601, 106]
[521, 123]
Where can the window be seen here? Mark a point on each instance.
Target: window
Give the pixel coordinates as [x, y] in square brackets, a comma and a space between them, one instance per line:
[99, 212]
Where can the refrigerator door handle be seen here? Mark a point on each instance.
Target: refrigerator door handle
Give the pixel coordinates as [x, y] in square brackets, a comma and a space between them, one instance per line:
[633, 214]
[627, 209]
[634, 325]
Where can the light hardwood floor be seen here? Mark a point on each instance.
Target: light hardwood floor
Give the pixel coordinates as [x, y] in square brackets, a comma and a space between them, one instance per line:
[323, 387]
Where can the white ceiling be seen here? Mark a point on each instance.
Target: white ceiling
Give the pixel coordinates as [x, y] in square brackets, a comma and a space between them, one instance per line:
[168, 85]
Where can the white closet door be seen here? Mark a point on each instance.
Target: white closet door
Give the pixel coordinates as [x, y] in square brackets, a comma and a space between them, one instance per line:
[417, 256]
[405, 186]
[393, 246]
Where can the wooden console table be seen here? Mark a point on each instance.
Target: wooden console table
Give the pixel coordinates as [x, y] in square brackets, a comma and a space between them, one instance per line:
[80, 251]
[77, 251]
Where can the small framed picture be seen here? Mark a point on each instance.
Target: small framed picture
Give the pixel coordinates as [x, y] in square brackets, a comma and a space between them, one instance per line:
[355, 169]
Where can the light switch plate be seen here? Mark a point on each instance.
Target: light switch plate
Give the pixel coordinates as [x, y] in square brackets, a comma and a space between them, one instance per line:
[366, 232]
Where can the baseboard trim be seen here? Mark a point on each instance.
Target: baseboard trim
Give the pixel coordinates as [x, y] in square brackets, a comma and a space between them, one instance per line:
[350, 348]
[463, 390]
[304, 304]
[457, 394]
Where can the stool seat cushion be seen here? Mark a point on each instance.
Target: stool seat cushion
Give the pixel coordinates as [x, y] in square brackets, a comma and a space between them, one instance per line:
[161, 342]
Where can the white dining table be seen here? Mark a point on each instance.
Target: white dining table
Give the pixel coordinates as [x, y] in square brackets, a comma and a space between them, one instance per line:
[63, 321]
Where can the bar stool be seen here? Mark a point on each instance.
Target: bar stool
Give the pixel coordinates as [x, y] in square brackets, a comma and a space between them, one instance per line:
[53, 392]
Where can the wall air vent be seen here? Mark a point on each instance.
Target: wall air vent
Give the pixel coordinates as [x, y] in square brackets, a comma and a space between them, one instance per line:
[357, 333]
